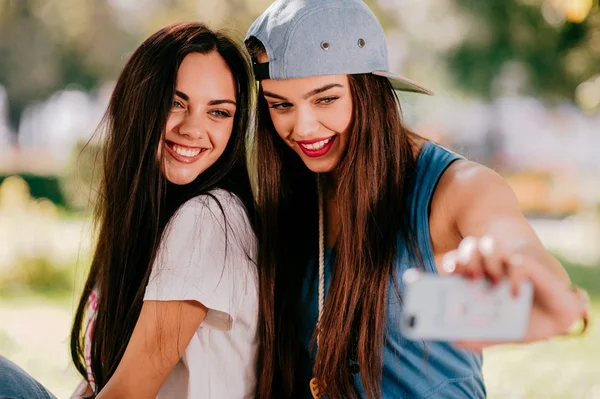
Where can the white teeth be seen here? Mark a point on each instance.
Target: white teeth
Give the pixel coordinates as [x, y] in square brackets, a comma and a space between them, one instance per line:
[318, 145]
[185, 152]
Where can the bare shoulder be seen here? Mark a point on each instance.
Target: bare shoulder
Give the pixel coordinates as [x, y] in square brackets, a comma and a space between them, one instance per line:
[467, 173]
[466, 182]
[467, 191]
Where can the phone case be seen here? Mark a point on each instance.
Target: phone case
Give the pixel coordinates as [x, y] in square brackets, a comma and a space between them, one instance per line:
[451, 308]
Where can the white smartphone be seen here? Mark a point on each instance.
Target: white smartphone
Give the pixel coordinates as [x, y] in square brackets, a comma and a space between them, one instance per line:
[451, 308]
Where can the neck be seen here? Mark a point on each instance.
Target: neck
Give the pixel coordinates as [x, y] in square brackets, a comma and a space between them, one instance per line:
[332, 216]
[329, 183]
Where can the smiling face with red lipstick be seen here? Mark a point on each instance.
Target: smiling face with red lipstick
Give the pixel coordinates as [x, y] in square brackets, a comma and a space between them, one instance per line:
[201, 118]
[313, 116]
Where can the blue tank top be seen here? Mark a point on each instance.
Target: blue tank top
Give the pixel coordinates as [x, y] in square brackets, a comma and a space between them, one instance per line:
[410, 369]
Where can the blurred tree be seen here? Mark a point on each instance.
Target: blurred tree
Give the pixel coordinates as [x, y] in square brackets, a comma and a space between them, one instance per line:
[233, 15]
[47, 187]
[546, 48]
[80, 178]
[48, 45]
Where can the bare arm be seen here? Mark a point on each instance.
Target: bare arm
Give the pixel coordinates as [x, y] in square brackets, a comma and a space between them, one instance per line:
[160, 337]
[483, 204]
[189, 276]
[495, 241]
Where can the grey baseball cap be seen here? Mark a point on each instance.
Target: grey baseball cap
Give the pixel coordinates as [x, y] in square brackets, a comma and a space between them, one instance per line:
[324, 37]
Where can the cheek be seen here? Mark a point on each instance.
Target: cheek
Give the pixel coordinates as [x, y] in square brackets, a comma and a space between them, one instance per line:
[159, 152]
[173, 119]
[283, 123]
[340, 117]
[219, 137]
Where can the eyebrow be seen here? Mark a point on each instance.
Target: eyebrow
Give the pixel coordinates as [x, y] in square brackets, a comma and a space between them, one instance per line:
[307, 95]
[185, 97]
[182, 95]
[273, 95]
[321, 90]
[217, 102]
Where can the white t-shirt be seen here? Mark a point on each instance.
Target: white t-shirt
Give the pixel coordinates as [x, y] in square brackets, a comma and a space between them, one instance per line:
[209, 259]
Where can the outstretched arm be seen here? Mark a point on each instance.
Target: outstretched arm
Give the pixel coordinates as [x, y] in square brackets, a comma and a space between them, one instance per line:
[498, 242]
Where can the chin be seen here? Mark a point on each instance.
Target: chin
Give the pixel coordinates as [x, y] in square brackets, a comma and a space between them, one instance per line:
[179, 179]
[179, 182]
[321, 170]
[325, 164]
[320, 166]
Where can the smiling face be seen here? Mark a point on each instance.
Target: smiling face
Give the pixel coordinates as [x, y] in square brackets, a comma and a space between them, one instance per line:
[201, 118]
[313, 116]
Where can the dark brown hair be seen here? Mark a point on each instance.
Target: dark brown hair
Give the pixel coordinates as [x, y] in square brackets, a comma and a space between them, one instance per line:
[373, 181]
[136, 201]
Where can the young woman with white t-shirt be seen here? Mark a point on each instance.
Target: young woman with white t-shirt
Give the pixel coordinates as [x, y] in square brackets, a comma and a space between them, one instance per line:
[169, 308]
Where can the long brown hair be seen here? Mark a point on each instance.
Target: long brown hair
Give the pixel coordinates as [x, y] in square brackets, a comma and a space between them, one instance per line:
[136, 201]
[374, 177]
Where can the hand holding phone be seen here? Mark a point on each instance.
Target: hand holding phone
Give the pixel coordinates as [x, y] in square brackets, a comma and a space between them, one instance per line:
[452, 308]
[529, 299]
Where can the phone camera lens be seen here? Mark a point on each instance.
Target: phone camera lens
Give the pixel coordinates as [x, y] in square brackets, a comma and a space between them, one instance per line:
[411, 320]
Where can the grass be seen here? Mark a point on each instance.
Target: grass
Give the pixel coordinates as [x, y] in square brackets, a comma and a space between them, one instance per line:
[34, 333]
[561, 368]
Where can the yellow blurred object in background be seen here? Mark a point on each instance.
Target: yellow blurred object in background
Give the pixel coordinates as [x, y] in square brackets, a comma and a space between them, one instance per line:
[14, 193]
[575, 11]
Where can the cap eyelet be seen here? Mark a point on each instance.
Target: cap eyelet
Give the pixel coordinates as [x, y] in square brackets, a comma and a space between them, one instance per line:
[361, 43]
[325, 45]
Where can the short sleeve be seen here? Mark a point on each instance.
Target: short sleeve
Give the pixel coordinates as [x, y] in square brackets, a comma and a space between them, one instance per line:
[201, 256]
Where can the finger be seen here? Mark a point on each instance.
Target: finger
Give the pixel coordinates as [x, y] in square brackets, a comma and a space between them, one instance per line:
[476, 346]
[546, 284]
[576, 312]
[449, 262]
[469, 346]
[552, 298]
[584, 302]
[492, 261]
[516, 272]
[468, 259]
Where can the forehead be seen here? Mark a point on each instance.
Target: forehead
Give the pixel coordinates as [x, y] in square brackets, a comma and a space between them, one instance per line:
[299, 88]
[206, 75]
[291, 88]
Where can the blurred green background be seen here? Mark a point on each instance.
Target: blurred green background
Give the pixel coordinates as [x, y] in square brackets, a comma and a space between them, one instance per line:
[517, 87]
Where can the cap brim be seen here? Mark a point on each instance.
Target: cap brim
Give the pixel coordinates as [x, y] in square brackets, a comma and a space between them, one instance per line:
[403, 84]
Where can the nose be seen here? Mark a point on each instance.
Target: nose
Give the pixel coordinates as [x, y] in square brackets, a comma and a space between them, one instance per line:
[307, 124]
[193, 126]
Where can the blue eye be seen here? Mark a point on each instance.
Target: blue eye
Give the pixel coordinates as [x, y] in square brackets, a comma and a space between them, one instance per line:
[221, 114]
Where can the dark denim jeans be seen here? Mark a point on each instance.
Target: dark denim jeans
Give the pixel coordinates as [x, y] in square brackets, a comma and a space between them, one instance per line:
[15, 383]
